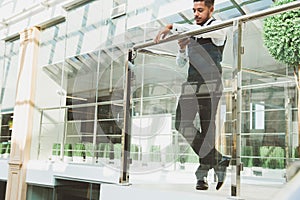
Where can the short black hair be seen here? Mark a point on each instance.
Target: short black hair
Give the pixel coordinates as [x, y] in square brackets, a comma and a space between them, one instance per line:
[208, 3]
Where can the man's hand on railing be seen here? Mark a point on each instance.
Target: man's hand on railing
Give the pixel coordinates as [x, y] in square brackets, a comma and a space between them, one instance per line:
[163, 33]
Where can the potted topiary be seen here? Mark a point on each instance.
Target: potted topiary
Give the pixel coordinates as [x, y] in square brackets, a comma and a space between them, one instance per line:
[116, 154]
[89, 152]
[78, 153]
[5, 149]
[2, 149]
[55, 152]
[282, 39]
[68, 152]
[103, 152]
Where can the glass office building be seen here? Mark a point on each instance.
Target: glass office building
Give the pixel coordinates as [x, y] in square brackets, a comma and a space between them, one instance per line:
[88, 103]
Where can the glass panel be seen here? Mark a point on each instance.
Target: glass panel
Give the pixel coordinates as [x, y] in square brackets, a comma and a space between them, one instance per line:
[2, 50]
[155, 90]
[159, 142]
[83, 30]
[88, 83]
[2, 189]
[52, 47]
[253, 6]
[76, 190]
[51, 116]
[226, 10]
[9, 82]
[5, 135]
[38, 192]
[268, 102]
[9, 56]
[80, 81]
[51, 134]
[110, 87]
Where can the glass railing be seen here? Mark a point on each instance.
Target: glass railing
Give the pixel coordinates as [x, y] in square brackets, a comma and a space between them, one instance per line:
[157, 86]
[127, 119]
[65, 137]
[256, 122]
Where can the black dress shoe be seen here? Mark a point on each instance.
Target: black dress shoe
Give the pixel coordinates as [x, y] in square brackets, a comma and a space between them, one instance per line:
[219, 185]
[222, 167]
[201, 185]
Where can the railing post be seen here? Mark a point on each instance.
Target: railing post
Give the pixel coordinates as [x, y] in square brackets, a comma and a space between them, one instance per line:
[125, 156]
[236, 109]
[288, 126]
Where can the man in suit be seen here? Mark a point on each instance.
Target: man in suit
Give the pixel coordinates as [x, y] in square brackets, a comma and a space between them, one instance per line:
[202, 91]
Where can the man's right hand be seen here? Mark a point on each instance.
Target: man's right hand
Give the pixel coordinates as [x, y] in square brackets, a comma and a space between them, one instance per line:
[183, 43]
[163, 33]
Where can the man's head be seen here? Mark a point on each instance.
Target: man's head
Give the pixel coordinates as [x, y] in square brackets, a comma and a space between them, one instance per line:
[203, 10]
[208, 3]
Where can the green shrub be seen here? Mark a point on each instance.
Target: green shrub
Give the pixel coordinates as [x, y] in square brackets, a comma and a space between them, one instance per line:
[79, 150]
[170, 153]
[2, 148]
[155, 153]
[117, 151]
[68, 150]
[247, 151]
[89, 149]
[282, 35]
[192, 157]
[134, 151]
[103, 150]
[56, 149]
[264, 152]
[273, 157]
[183, 155]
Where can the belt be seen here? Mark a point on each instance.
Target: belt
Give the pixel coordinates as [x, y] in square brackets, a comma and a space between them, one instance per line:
[202, 40]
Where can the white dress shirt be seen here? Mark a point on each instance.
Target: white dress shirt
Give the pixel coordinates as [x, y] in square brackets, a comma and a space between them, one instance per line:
[218, 37]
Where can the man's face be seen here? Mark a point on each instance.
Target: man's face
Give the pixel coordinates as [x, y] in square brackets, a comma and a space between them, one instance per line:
[201, 12]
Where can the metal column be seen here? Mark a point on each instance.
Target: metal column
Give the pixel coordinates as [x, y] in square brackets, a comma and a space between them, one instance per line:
[125, 159]
[236, 110]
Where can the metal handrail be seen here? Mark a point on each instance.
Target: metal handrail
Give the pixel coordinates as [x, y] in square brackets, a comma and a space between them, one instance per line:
[224, 24]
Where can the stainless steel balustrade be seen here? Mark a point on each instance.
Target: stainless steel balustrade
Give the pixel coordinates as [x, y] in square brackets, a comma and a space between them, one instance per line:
[236, 23]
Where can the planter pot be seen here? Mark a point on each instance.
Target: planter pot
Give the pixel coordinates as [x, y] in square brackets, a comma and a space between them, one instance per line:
[68, 150]
[247, 171]
[89, 159]
[68, 159]
[89, 152]
[102, 161]
[77, 159]
[78, 153]
[56, 152]
[269, 173]
[55, 158]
